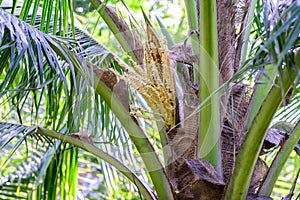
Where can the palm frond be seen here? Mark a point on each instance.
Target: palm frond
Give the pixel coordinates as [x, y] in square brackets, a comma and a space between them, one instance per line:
[51, 78]
[55, 17]
[28, 176]
[30, 68]
[21, 168]
[272, 48]
[277, 40]
[290, 110]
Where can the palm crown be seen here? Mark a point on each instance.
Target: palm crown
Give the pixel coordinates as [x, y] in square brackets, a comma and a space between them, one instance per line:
[182, 123]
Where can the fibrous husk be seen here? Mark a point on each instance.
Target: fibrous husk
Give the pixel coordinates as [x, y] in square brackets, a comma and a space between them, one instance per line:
[182, 142]
[109, 78]
[233, 127]
[182, 53]
[131, 36]
[226, 38]
[259, 174]
[274, 138]
[198, 180]
[256, 197]
[105, 75]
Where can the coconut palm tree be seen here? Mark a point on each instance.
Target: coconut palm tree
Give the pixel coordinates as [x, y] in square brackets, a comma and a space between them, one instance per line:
[179, 121]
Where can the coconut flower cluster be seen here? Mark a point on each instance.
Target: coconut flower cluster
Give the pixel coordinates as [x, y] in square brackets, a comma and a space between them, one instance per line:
[155, 80]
